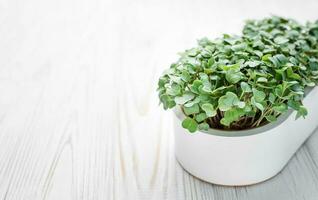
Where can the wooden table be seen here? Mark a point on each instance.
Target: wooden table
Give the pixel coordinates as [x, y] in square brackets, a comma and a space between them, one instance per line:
[79, 114]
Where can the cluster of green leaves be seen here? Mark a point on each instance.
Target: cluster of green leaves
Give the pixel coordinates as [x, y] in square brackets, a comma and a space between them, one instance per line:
[241, 82]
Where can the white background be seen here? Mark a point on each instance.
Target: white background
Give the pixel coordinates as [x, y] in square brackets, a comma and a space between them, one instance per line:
[79, 114]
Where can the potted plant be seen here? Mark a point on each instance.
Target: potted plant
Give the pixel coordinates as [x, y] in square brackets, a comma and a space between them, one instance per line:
[236, 100]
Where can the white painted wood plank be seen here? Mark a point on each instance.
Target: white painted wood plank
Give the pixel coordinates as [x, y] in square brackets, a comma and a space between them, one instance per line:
[79, 115]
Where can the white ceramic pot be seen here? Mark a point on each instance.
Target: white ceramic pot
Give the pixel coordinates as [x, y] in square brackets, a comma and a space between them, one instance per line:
[244, 157]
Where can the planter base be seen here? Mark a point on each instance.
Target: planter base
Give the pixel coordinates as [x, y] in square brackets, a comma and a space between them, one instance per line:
[221, 184]
[248, 157]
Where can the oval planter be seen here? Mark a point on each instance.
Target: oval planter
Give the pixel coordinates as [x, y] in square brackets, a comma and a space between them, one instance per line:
[244, 157]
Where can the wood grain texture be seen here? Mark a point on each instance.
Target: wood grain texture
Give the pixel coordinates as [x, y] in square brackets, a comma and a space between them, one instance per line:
[79, 115]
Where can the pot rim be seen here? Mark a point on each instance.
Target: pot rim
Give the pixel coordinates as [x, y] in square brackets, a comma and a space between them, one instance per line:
[246, 132]
[239, 133]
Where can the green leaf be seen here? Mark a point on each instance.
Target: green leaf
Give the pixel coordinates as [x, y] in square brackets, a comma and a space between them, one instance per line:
[176, 79]
[235, 67]
[313, 64]
[258, 53]
[185, 76]
[292, 75]
[281, 108]
[247, 108]
[271, 118]
[204, 98]
[227, 101]
[204, 126]
[211, 61]
[209, 109]
[258, 95]
[225, 122]
[279, 91]
[192, 110]
[258, 43]
[233, 76]
[293, 104]
[262, 80]
[278, 60]
[167, 101]
[302, 112]
[281, 40]
[187, 96]
[219, 90]
[245, 87]
[266, 57]
[240, 104]
[206, 89]
[310, 84]
[191, 103]
[162, 81]
[195, 86]
[193, 52]
[239, 47]
[256, 104]
[190, 124]
[174, 90]
[200, 117]
[206, 53]
[253, 63]
[232, 115]
[271, 98]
